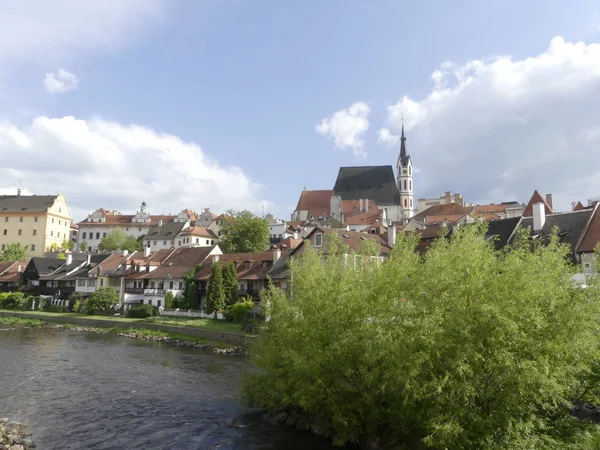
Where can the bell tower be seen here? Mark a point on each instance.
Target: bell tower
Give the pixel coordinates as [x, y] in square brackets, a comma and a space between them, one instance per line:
[405, 179]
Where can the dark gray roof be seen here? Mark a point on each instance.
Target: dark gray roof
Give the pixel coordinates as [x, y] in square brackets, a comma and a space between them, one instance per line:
[62, 272]
[373, 182]
[329, 221]
[26, 203]
[168, 231]
[502, 230]
[571, 225]
[280, 270]
[44, 266]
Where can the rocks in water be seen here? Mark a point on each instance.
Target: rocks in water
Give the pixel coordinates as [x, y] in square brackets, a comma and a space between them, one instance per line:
[13, 436]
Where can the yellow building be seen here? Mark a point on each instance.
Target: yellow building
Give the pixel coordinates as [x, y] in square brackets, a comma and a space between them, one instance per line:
[37, 221]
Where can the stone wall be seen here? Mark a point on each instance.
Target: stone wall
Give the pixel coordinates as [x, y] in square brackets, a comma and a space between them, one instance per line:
[218, 336]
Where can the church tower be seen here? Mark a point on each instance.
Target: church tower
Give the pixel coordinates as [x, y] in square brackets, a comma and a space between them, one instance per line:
[405, 179]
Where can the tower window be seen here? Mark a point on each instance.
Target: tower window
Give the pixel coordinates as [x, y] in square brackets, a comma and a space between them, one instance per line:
[410, 184]
[405, 203]
[410, 170]
[411, 202]
[404, 184]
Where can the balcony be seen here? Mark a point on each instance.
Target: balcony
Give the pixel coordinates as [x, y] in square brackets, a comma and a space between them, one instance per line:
[130, 290]
[152, 291]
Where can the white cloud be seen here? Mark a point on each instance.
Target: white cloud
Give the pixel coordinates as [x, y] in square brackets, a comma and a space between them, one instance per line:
[497, 128]
[347, 126]
[60, 82]
[46, 31]
[104, 164]
[386, 137]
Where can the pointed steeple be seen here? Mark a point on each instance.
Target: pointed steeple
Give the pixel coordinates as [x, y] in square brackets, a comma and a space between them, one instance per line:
[404, 156]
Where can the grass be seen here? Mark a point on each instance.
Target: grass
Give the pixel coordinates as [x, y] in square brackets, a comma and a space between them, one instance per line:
[193, 322]
[21, 321]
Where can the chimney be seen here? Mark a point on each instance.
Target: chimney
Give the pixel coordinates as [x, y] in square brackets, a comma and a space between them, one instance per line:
[160, 223]
[549, 200]
[89, 259]
[19, 192]
[539, 216]
[295, 234]
[360, 205]
[215, 259]
[19, 268]
[392, 232]
[367, 205]
[125, 252]
[147, 250]
[69, 259]
[276, 254]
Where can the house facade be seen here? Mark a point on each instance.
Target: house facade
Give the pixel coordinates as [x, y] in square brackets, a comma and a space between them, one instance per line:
[36, 221]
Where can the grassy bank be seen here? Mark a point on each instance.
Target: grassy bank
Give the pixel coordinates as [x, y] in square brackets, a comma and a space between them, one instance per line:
[22, 322]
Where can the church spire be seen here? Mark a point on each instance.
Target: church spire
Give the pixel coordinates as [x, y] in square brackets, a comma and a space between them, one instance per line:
[403, 158]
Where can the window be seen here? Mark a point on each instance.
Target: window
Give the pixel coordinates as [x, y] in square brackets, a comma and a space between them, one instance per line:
[319, 240]
[588, 266]
[405, 203]
[80, 283]
[52, 233]
[59, 209]
[410, 184]
[20, 232]
[127, 229]
[59, 221]
[152, 284]
[172, 242]
[164, 242]
[180, 285]
[101, 282]
[247, 264]
[207, 242]
[20, 219]
[404, 184]
[97, 235]
[179, 243]
[410, 170]
[53, 220]
[5, 232]
[3, 247]
[84, 235]
[91, 283]
[158, 303]
[170, 285]
[212, 242]
[33, 247]
[89, 249]
[411, 202]
[35, 219]
[139, 228]
[103, 235]
[219, 233]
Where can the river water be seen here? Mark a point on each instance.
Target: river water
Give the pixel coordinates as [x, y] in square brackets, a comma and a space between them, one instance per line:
[94, 391]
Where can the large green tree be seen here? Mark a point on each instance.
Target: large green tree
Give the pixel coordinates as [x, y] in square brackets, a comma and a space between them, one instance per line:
[230, 283]
[103, 299]
[242, 231]
[215, 296]
[464, 348]
[83, 246]
[117, 239]
[14, 252]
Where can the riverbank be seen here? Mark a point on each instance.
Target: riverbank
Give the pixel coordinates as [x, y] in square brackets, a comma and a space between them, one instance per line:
[191, 333]
[174, 339]
[14, 436]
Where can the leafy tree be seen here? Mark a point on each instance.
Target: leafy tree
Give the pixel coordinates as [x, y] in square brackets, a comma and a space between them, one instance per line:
[191, 295]
[244, 232]
[230, 283]
[83, 246]
[132, 244]
[114, 240]
[215, 296]
[169, 300]
[14, 252]
[464, 348]
[67, 245]
[102, 299]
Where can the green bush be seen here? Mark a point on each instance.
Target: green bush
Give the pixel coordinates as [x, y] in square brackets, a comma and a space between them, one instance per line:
[169, 300]
[15, 300]
[241, 310]
[464, 348]
[141, 311]
[101, 300]
[76, 306]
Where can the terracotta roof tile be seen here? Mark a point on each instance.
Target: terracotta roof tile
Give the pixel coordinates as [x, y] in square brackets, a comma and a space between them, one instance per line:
[442, 210]
[591, 237]
[197, 231]
[317, 203]
[537, 198]
[182, 260]
[249, 266]
[353, 215]
[451, 218]
[127, 220]
[578, 207]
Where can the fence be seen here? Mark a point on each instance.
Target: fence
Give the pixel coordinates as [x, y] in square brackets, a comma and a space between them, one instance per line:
[188, 313]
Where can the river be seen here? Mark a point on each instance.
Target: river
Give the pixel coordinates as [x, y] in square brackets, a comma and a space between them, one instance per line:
[80, 390]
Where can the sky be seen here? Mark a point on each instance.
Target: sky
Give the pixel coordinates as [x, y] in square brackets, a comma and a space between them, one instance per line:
[239, 104]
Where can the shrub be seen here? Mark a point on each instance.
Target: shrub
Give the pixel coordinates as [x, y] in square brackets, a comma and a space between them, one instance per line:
[141, 311]
[15, 300]
[465, 348]
[101, 300]
[169, 300]
[76, 306]
[241, 310]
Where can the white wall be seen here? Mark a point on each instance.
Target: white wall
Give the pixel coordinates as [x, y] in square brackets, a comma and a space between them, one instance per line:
[135, 230]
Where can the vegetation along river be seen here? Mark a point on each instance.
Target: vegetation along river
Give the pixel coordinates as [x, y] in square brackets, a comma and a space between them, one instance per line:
[79, 390]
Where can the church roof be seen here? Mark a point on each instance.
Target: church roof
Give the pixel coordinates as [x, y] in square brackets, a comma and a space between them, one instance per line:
[404, 156]
[376, 183]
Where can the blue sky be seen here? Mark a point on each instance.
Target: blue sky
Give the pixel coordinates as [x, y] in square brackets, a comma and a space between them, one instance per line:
[248, 82]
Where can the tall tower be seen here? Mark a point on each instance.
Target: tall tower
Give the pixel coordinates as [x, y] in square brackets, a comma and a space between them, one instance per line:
[405, 179]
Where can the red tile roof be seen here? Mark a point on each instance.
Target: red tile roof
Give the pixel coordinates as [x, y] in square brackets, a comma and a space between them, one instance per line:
[578, 207]
[537, 198]
[126, 220]
[442, 210]
[197, 231]
[153, 259]
[353, 215]
[182, 260]
[451, 218]
[249, 266]
[9, 271]
[591, 236]
[317, 203]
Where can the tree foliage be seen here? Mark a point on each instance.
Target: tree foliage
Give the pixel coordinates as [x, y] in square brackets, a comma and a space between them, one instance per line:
[465, 348]
[117, 239]
[67, 245]
[103, 299]
[169, 300]
[230, 283]
[83, 246]
[242, 232]
[215, 296]
[191, 295]
[14, 252]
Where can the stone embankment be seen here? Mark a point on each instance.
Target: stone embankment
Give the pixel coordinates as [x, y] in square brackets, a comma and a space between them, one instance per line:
[14, 436]
[233, 351]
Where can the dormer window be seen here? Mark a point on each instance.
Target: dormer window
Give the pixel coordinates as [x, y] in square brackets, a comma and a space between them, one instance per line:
[247, 264]
[318, 239]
